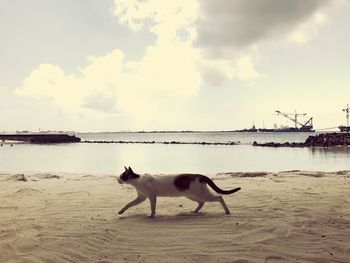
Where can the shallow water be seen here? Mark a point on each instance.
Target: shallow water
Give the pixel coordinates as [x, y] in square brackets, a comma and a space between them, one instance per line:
[211, 137]
[167, 158]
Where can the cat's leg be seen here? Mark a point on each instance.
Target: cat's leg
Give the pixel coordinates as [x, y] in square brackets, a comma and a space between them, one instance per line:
[216, 198]
[222, 202]
[139, 199]
[200, 204]
[153, 201]
[208, 196]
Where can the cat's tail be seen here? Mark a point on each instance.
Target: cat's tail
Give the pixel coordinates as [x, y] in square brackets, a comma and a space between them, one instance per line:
[216, 188]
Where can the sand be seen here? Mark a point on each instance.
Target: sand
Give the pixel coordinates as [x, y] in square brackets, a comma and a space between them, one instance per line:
[293, 216]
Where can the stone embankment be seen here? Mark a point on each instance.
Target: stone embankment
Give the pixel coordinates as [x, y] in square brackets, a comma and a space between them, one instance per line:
[55, 138]
[320, 140]
[164, 142]
[40, 138]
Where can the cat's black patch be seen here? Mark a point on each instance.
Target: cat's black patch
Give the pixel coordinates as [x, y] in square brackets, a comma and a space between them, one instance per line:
[182, 182]
[134, 176]
[202, 179]
[124, 176]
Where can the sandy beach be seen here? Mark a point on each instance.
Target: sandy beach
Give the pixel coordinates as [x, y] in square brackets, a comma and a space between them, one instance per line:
[293, 216]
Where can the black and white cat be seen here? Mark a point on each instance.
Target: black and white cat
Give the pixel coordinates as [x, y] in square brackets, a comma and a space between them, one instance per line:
[192, 186]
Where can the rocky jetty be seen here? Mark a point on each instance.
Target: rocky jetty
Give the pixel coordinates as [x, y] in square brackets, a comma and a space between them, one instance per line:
[55, 138]
[40, 138]
[320, 140]
[278, 144]
[164, 142]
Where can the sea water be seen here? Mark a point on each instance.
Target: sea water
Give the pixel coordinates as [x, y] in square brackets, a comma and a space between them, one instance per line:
[110, 158]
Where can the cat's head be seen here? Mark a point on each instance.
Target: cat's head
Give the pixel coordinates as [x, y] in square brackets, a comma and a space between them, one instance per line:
[127, 176]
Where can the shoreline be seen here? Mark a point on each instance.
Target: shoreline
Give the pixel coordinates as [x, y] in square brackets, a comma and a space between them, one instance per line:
[287, 216]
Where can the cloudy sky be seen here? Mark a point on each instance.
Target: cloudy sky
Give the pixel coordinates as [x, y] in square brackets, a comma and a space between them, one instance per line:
[104, 65]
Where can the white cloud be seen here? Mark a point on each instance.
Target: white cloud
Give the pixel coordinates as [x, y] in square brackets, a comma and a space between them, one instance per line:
[142, 89]
[305, 31]
[73, 92]
[108, 84]
[166, 18]
[157, 87]
[245, 69]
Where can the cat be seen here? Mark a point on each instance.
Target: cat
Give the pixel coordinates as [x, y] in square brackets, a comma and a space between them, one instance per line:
[192, 186]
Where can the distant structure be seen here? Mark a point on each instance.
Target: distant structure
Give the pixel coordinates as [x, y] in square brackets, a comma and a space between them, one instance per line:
[298, 126]
[304, 127]
[347, 127]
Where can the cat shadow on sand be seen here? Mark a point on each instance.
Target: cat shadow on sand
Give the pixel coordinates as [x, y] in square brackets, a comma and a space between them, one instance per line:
[176, 218]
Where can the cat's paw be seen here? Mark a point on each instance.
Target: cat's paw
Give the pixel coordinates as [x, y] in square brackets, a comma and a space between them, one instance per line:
[121, 211]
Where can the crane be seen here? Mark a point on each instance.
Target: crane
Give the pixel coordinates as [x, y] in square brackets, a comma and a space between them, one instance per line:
[347, 127]
[307, 125]
[347, 114]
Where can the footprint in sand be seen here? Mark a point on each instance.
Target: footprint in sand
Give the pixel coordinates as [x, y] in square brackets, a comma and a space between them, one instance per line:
[28, 240]
[25, 191]
[274, 259]
[47, 176]
[18, 177]
[75, 192]
[8, 208]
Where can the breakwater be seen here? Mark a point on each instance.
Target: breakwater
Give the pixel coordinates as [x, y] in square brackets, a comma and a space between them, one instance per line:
[164, 142]
[40, 138]
[320, 140]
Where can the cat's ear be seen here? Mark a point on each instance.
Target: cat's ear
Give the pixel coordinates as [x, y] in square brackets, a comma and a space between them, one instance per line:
[125, 168]
[130, 170]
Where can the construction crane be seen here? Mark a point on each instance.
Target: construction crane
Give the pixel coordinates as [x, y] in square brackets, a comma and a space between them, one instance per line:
[304, 126]
[347, 114]
[347, 127]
